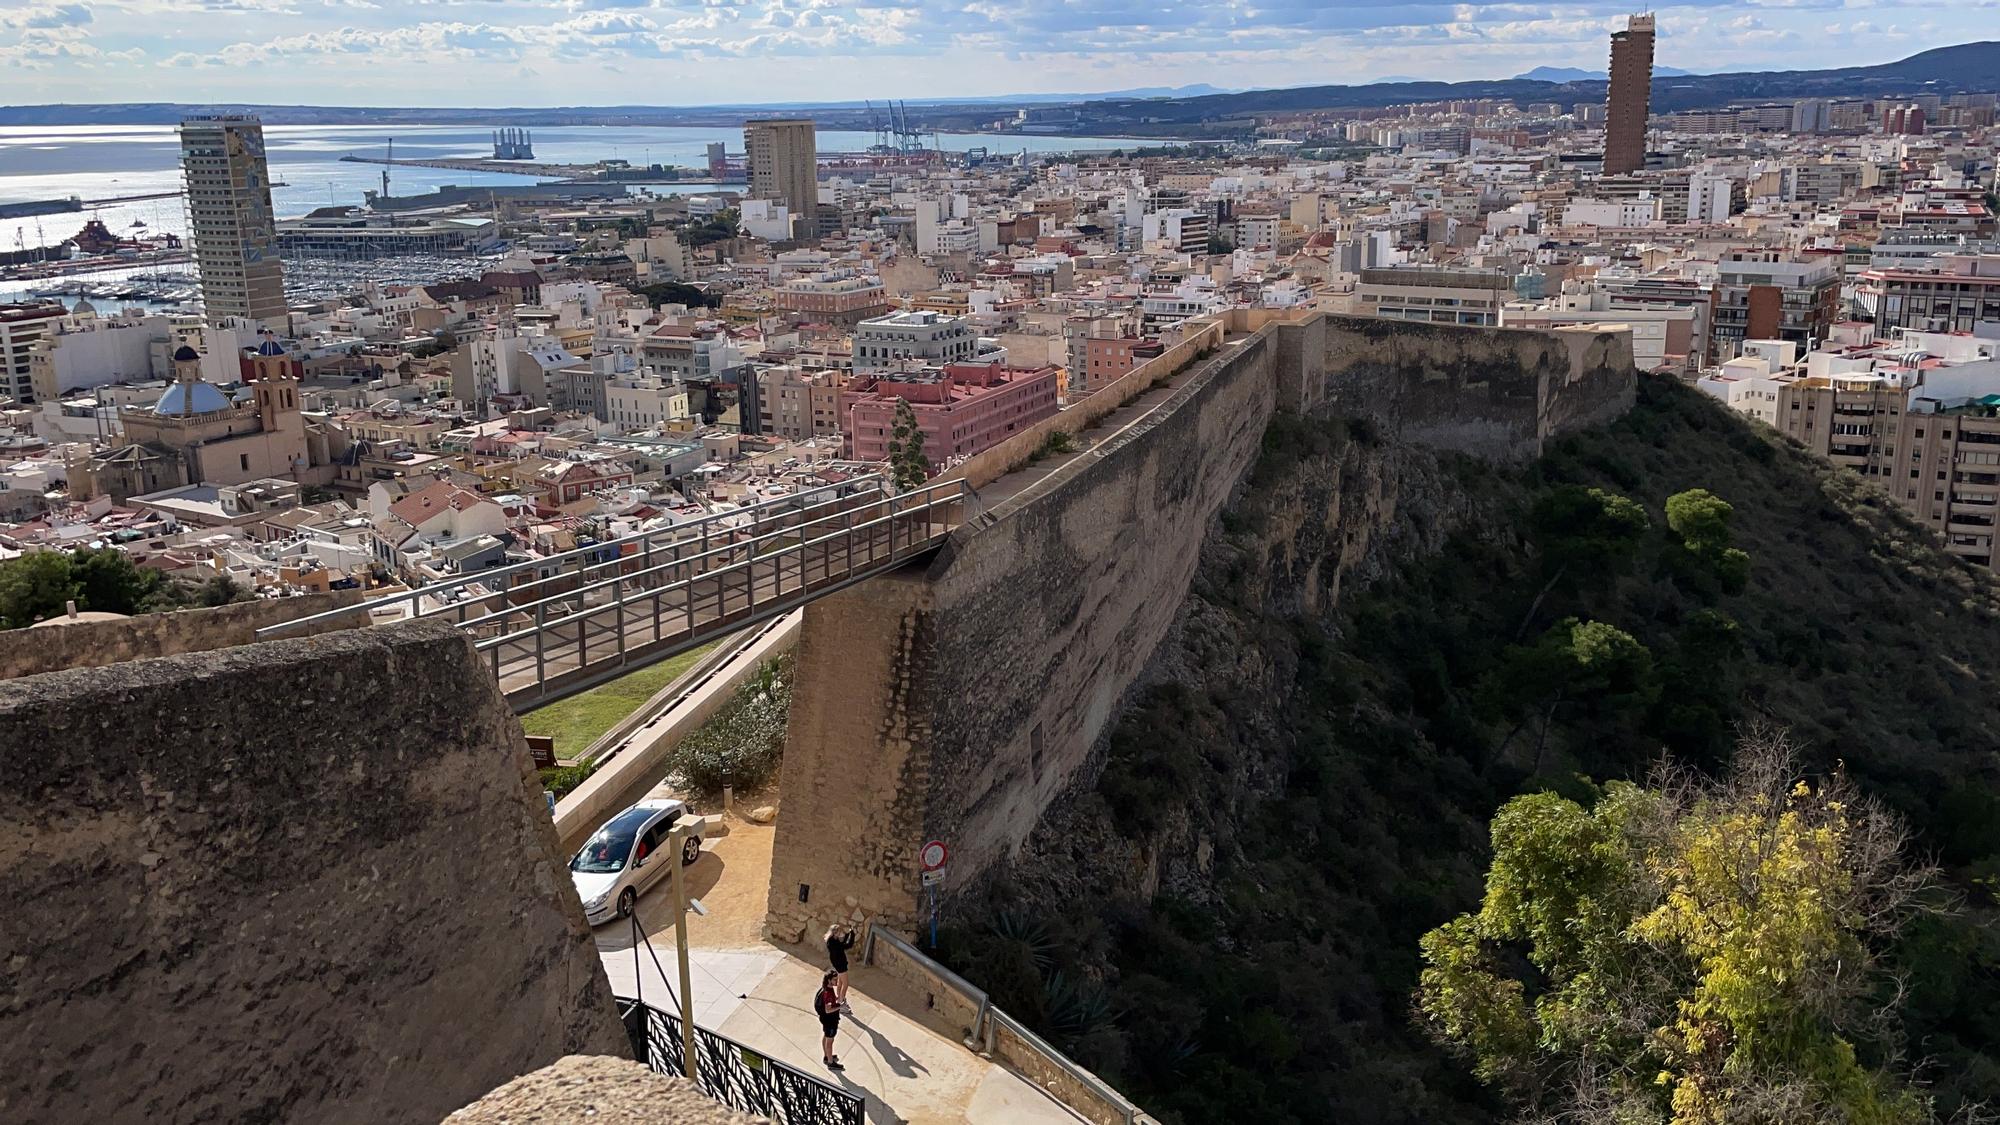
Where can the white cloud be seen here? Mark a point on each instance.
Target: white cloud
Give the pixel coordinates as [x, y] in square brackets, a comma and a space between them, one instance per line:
[693, 51]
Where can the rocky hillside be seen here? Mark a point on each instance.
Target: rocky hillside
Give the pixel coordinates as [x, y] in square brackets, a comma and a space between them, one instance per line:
[1226, 918]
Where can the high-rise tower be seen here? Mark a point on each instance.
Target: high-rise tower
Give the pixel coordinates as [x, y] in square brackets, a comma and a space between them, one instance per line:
[780, 158]
[234, 231]
[1630, 98]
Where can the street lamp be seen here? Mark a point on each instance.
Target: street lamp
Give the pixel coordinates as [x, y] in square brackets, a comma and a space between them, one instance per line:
[689, 1066]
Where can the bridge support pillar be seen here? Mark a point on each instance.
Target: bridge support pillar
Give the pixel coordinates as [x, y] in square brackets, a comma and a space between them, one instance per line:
[857, 762]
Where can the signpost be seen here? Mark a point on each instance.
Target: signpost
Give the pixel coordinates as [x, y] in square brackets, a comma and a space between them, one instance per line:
[933, 857]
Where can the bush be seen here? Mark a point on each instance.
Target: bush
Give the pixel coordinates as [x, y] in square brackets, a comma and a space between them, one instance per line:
[1055, 444]
[743, 743]
[561, 780]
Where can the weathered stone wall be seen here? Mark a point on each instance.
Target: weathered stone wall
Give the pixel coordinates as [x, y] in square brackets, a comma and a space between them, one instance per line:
[302, 881]
[858, 778]
[1498, 393]
[599, 1091]
[1015, 650]
[93, 644]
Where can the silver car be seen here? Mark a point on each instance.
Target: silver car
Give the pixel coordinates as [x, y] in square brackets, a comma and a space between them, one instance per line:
[623, 857]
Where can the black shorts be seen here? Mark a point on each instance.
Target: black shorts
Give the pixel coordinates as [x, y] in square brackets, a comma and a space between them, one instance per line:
[839, 961]
[830, 1025]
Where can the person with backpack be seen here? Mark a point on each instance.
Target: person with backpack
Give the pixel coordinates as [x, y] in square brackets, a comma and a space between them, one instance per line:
[826, 1004]
[840, 939]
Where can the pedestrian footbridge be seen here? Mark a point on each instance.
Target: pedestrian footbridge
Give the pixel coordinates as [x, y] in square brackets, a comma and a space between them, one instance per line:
[554, 626]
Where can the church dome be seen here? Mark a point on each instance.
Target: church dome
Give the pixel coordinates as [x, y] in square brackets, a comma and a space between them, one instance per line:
[191, 398]
[185, 354]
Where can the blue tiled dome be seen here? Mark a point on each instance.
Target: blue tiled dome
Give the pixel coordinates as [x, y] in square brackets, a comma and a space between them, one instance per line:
[191, 398]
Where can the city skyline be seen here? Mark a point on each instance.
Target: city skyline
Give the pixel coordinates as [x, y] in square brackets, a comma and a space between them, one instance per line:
[663, 52]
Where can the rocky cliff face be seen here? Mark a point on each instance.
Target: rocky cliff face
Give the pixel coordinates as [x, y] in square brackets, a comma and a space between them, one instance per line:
[1331, 506]
[1222, 914]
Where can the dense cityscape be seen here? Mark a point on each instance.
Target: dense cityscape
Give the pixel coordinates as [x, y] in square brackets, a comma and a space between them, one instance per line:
[1168, 506]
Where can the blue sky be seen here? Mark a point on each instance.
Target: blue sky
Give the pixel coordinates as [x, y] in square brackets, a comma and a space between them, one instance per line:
[683, 52]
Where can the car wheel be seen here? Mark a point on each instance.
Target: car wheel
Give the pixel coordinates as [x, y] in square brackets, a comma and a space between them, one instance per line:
[627, 899]
[691, 850]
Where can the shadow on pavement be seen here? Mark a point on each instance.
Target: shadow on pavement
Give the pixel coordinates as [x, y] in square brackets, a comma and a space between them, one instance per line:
[899, 1060]
[656, 906]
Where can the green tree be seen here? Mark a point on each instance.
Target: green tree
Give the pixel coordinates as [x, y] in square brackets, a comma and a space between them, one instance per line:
[220, 590]
[679, 293]
[1701, 519]
[35, 587]
[908, 467]
[109, 582]
[1590, 666]
[1581, 531]
[1691, 953]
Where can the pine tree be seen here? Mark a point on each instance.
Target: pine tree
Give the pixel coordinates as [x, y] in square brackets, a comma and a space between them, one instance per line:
[908, 467]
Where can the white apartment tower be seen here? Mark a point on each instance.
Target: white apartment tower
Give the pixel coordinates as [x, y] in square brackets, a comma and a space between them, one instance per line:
[233, 229]
[1708, 198]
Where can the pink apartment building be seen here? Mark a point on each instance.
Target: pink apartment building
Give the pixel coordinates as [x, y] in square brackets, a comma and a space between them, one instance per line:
[962, 408]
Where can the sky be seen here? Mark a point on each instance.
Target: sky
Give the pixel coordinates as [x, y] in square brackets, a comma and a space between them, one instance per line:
[695, 52]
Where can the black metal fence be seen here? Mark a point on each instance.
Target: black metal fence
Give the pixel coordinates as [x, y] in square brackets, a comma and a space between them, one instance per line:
[738, 1076]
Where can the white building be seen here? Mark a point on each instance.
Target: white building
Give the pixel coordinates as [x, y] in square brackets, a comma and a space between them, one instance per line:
[1637, 212]
[645, 402]
[920, 337]
[1708, 198]
[1176, 230]
[22, 327]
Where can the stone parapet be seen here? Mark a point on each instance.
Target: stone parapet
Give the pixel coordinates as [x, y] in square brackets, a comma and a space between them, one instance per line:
[309, 881]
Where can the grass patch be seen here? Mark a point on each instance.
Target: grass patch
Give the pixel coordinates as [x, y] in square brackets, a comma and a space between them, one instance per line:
[581, 719]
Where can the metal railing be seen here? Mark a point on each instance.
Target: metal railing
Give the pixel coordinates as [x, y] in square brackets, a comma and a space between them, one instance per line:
[735, 1075]
[553, 626]
[1099, 1101]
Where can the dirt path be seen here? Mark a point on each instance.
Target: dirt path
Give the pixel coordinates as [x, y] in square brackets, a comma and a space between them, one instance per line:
[735, 877]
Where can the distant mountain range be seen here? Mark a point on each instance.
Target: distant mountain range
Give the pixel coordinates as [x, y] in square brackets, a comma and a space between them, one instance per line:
[1196, 90]
[1967, 67]
[1577, 74]
[1151, 110]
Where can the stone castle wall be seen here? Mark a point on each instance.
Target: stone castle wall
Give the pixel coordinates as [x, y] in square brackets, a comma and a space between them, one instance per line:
[308, 881]
[93, 644]
[1012, 654]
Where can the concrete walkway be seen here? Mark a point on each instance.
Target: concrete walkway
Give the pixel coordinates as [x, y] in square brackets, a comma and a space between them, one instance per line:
[909, 1071]
[908, 1065]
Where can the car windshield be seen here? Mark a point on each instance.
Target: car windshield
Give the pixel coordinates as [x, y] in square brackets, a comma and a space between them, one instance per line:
[605, 852]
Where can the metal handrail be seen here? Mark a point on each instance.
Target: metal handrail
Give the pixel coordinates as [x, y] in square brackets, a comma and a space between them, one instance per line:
[1096, 1085]
[790, 501]
[655, 592]
[988, 1014]
[730, 548]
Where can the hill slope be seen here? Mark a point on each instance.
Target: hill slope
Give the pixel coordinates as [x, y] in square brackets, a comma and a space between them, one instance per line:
[1305, 789]
[1965, 66]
